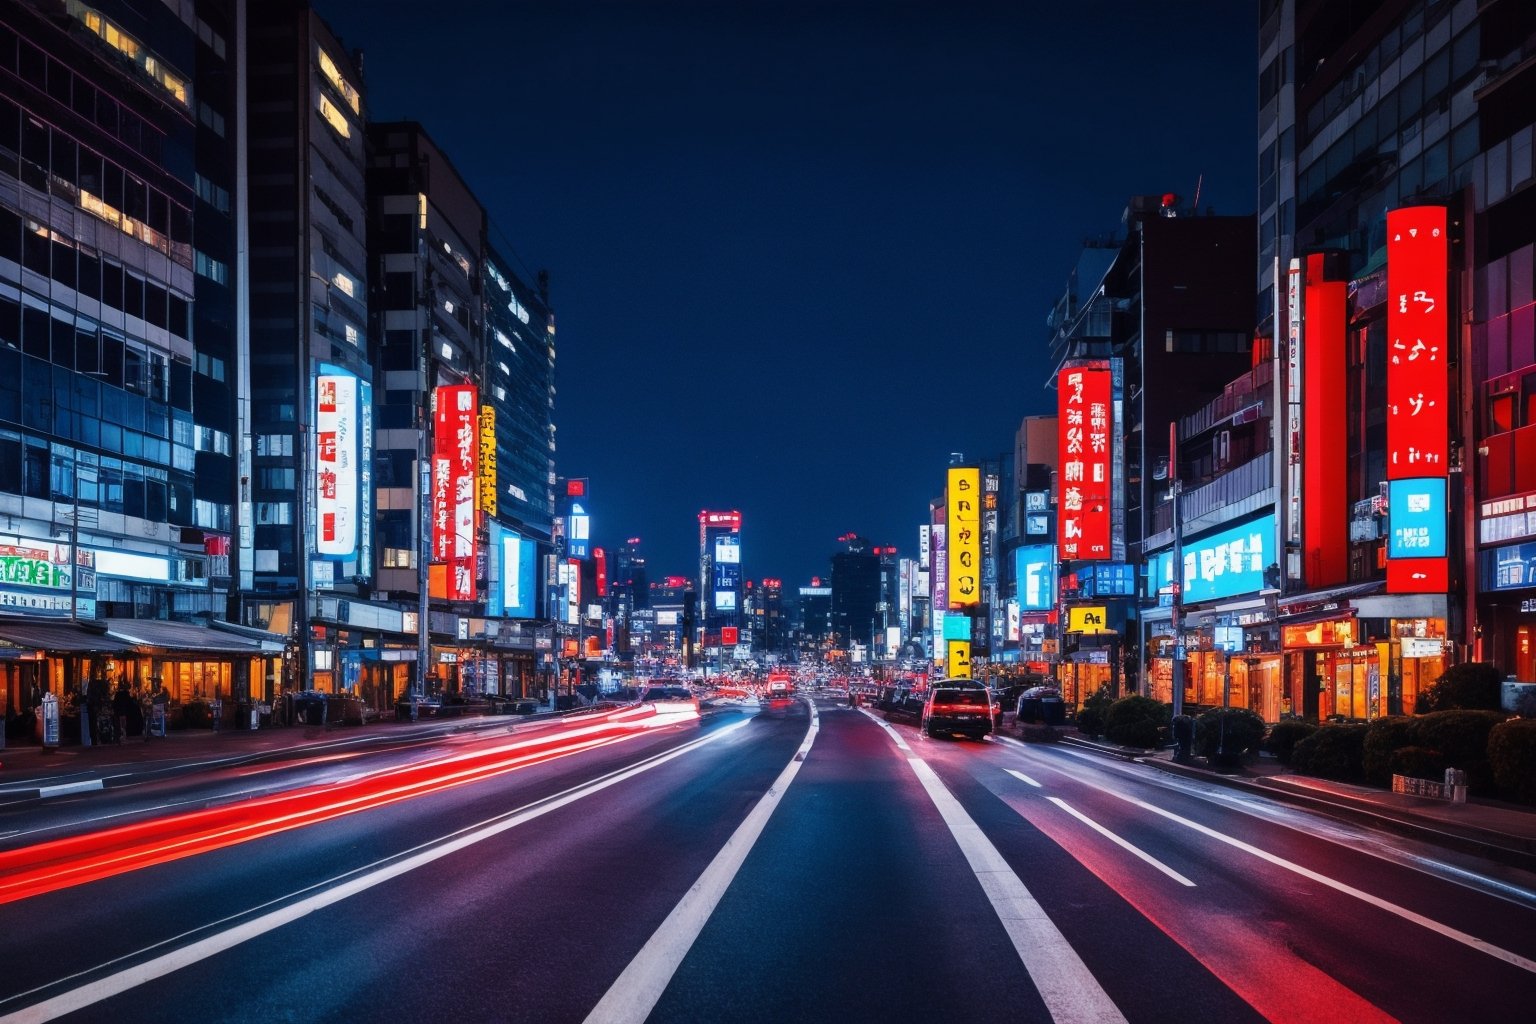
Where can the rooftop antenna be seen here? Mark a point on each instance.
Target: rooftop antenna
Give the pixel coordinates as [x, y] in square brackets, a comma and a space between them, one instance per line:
[1198, 182]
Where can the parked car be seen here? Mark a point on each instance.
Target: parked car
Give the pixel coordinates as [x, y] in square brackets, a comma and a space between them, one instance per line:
[957, 711]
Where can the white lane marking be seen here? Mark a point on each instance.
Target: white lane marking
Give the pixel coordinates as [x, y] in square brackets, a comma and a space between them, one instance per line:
[1454, 934]
[1107, 834]
[1022, 777]
[361, 879]
[900, 742]
[1069, 990]
[66, 788]
[637, 990]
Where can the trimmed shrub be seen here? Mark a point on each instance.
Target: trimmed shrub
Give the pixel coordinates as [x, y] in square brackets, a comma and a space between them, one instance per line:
[1383, 738]
[1090, 717]
[1418, 763]
[1136, 722]
[1282, 739]
[1512, 756]
[1472, 686]
[1244, 731]
[1333, 752]
[1462, 736]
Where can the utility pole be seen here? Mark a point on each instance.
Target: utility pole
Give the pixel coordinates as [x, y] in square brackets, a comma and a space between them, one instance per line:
[1177, 614]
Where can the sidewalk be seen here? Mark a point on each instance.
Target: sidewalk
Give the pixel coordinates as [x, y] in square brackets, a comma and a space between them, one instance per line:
[1497, 831]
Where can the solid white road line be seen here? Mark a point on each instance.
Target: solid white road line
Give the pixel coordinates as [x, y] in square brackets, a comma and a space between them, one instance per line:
[636, 991]
[361, 880]
[1453, 934]
[66, 788]
[1070, 991]
[1022, 777]
[1107, 834]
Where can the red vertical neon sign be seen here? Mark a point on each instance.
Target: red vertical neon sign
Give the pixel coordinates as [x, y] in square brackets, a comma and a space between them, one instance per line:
[1324, 466]
[1418, 387]
[455, 463]
[1084, 392]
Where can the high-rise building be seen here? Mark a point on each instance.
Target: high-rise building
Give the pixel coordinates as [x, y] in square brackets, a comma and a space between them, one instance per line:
[310, 450]
[856, 593]
[120, 332]
[1382, 126]
[720, 579]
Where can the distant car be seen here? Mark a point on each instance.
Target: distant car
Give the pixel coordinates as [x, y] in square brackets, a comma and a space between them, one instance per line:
[668, 692]
[953, 711]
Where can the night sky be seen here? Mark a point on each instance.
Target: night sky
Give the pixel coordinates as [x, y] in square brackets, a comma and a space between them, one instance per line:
[799, 252]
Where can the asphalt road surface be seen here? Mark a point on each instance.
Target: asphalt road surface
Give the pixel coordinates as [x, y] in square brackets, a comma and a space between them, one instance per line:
[799, 863]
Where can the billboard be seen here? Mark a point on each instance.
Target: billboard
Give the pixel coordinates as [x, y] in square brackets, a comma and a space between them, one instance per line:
[337, 491]
[957, 659]
[1035, 568]
[1224, 564]
[940, 574]
[578, 534]
[454, 467]
[519, 558]
[1417, 512]
[1084, 393]
[962, 515]
[1418, 395]
[727, 550]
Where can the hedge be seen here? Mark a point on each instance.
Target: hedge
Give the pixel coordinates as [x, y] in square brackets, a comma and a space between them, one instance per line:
[1136, 722]
[1383, 738]
[1470, 686]
[1284, 736]
[1244, 732]
[1462, 736]
[1419, 763]
[1090, 717]
[1333, 752]
[1512, 757]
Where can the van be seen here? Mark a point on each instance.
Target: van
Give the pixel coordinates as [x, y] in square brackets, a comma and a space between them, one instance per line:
[959, 711]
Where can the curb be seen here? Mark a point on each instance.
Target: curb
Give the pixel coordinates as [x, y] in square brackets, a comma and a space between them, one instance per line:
[1511, 851]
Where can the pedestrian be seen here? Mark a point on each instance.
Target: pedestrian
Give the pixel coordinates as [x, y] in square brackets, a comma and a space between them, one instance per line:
[159, 710]
[123, 706]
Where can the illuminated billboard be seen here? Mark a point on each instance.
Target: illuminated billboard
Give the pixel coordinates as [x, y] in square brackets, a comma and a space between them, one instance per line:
[1035, 569]
[1417, 511]
[579, 532]
[518, 565]
[727, 550]
[1084, 393]
[1223, 564]
[338, 431]
[454, 467]
[962, 514]
[1418, 396]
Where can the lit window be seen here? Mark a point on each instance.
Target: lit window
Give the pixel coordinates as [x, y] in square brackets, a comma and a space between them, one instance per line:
[332, 74]
[352, 335]
[129, 47]
[335, 118]
[345, 283]
[448, 306]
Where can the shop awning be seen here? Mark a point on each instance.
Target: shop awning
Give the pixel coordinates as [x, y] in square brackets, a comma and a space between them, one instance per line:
[271, 643]
[60, 637]
[1309, 605]
[181, 637]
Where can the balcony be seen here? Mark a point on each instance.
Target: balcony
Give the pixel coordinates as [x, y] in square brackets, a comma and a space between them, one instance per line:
[1253, 388]
[1238, 492]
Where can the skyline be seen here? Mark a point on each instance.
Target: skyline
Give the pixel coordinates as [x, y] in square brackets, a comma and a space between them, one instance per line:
[694, 179]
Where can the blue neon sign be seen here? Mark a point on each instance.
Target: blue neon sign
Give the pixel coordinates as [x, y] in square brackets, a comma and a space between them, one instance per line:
[1035, 566]
[1416, 512]
[1223, 564]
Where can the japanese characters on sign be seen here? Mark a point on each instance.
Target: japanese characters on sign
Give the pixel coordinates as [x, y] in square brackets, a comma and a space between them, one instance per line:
[1084, 391]
[454, 470]
[1417, 381]
[1418, 392]
[962, 509]
[1224, 564]
[336, 463]
[488, 459]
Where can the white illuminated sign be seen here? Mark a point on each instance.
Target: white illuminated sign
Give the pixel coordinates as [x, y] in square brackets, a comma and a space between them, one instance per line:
[336, 492]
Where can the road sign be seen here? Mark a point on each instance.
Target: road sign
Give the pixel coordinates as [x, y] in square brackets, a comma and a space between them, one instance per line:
[1178, 653]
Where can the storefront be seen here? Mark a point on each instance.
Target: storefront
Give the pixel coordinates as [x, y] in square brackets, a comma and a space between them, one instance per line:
[1507, 602]
[51, 656]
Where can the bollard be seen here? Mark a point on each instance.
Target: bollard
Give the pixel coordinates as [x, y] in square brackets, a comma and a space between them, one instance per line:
[1456, 785]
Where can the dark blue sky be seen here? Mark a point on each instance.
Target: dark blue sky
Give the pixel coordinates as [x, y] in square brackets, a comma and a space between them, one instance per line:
[799, 252]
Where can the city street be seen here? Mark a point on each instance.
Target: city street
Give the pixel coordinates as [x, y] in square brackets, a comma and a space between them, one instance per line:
[809, 863]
